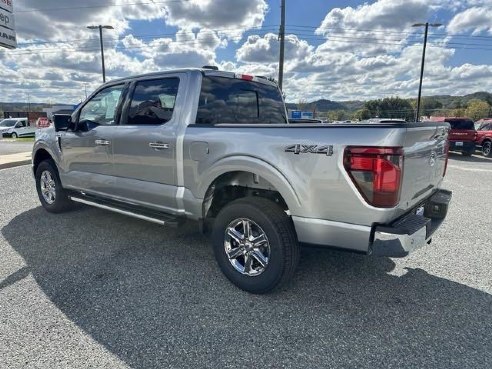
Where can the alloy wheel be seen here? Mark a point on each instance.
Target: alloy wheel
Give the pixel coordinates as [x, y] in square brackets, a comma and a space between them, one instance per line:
[48, 187]
[247, 247]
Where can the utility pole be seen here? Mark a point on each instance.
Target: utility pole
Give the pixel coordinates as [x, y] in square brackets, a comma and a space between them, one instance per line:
[100, 27]
[426, 25]
[282, 45]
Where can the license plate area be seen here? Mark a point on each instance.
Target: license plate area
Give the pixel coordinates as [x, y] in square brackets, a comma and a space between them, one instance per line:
[458, 143]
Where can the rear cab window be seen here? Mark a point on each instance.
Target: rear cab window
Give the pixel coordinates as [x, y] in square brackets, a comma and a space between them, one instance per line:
[226, 100]
[462, 124]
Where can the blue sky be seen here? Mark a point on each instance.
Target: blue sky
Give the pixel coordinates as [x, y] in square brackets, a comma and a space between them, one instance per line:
[338, 50]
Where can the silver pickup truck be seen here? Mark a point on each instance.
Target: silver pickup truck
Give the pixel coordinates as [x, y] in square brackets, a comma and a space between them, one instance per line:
[217, 148]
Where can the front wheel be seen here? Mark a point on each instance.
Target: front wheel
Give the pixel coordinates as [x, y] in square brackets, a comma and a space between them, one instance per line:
[50, 191]
[13, 135]
[255, 244]
[487, 149]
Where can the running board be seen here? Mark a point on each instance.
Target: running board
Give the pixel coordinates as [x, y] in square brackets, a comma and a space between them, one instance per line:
[151, 216]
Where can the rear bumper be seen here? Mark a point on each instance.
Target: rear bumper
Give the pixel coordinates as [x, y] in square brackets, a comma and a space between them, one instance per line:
[397, 239]
[412, 231]
[466, 146]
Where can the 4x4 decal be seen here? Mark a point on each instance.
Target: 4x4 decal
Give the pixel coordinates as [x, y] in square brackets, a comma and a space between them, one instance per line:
[310, 149]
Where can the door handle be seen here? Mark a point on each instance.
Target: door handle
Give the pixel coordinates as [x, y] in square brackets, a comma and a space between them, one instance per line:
[102, 142]
[159, 145]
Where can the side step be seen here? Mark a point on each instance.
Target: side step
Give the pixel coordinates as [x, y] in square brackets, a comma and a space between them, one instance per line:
[130, 210]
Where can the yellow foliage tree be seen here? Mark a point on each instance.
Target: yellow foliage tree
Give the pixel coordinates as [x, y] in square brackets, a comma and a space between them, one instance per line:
[477, 109]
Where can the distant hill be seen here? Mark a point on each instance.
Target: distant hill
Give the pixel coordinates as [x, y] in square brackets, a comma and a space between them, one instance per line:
[447, 101]
[23, 106]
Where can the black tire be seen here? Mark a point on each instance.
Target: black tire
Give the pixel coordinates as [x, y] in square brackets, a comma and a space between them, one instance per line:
[487, 149]
[284, 248]
[13, 135]
[61, 202]
[468, 152]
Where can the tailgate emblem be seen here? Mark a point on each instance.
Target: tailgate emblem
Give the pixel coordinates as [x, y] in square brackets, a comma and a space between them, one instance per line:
[432, 159]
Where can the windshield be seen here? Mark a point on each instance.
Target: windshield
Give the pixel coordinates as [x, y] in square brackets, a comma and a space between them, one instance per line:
[7, 123]
[461, 124]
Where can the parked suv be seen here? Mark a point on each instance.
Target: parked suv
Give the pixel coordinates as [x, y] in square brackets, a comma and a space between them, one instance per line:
[484, 138]
[462, 135]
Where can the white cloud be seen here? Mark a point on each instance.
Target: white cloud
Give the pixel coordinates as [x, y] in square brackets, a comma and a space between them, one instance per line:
[477, 19]
[266, 49]
[232, 17]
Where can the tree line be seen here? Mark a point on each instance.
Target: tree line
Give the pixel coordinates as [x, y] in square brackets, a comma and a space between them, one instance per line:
[398, 108]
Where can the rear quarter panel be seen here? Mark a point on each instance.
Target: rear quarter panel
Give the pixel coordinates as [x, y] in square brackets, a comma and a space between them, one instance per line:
[313, 185]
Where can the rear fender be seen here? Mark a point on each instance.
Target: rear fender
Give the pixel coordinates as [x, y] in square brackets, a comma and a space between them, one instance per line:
[255, 166]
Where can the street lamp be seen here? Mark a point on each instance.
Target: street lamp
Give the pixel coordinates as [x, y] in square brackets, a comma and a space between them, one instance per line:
[102, 49]
[426, 25]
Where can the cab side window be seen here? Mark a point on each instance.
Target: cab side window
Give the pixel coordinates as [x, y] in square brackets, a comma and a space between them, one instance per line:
[101, 109]
[153, 102]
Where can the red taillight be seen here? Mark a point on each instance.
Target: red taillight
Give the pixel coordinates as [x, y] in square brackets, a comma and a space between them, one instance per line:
[376, 172]
[446, 154]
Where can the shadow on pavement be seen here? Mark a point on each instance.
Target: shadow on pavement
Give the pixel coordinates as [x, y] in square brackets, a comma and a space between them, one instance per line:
[154, 297]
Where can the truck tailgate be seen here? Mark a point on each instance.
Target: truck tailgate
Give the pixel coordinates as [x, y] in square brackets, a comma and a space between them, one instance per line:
[425, 155]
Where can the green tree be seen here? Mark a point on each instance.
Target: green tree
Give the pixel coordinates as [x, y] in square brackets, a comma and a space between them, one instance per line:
[477, 109]
[429, 105]
[338, 115]
[459, 112]
[390, 107]
[362, 114]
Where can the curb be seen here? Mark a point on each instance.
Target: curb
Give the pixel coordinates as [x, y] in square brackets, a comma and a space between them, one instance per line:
[15, 164]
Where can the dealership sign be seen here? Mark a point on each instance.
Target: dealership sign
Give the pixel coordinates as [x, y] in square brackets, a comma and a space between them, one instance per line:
[7, 24]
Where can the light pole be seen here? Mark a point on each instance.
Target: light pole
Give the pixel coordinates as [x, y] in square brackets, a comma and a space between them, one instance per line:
[100, 27]
[282, 46]
[426, 25]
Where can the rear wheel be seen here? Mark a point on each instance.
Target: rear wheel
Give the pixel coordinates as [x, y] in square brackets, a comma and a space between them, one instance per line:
[50, 191]
[487, 149]
[255, 244]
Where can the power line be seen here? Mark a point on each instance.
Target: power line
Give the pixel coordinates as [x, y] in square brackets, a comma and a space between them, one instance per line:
[389, 32]
[268, 28]
[449, 45]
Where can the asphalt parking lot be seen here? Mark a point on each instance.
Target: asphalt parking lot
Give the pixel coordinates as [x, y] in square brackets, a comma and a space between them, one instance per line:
[95, 289]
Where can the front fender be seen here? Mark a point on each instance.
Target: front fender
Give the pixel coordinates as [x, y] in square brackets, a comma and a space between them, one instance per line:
[46, 141]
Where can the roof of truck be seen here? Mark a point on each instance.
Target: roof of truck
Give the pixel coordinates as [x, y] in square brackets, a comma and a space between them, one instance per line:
[206, 71]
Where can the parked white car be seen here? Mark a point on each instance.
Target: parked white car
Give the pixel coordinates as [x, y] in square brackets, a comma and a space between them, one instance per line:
[17, 127]
[6, 124]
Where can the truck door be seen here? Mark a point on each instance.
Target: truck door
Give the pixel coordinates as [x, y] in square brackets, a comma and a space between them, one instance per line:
[144, 144]
[87, 156]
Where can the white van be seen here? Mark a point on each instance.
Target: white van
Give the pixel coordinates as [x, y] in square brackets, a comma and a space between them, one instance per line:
[16, 127]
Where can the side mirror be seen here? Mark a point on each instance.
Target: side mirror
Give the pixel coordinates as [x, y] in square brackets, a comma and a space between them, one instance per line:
[62, 122]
